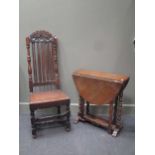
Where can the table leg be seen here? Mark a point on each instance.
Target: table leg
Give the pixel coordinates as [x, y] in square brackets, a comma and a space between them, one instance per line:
[119, 111]
[110, 117]
[81, 110]
[115, 110]
[118, 115]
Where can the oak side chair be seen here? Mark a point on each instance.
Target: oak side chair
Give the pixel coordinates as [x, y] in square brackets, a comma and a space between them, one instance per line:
[44, 83]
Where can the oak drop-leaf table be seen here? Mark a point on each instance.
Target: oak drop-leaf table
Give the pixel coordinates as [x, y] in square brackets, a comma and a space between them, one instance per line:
[100, 88]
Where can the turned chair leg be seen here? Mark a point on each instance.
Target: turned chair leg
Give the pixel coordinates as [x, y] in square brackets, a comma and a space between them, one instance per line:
[58, 109]
[34, 130]
[68, 125]
[87, 108]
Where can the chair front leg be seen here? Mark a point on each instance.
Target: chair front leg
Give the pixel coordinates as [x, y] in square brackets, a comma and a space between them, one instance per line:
[34, 129]
[68, 125]
[87, 108]
[58, 109]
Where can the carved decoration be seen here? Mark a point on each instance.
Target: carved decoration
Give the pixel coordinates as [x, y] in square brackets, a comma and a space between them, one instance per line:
[56, 62]
[29, 64]
[41, 36]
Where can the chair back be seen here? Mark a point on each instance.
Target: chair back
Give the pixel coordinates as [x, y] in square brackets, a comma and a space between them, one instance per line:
[42, 61]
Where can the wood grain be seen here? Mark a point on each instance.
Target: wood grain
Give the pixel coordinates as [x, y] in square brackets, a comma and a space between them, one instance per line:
[99, 87]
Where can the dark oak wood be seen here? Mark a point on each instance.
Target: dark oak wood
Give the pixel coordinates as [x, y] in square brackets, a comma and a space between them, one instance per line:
[43, 75]
[87, 107]
[101, 88]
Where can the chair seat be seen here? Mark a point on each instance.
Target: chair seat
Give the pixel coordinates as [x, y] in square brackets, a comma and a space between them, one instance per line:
[48, 98]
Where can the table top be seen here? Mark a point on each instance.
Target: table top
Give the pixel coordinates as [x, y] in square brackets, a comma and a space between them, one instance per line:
[99, 87]
[120, 78]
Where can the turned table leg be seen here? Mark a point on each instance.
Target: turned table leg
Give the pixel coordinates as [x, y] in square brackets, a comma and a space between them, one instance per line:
[81, 110]
[115, 110]
[119, 110]
[81, 107]
[110, 118]
[118, 114]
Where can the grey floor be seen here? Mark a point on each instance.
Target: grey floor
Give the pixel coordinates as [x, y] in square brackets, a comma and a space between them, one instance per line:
[83, 139]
